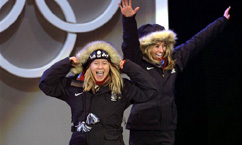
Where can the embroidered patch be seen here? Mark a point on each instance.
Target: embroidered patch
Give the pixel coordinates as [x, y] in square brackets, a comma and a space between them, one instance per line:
[114, 97]
[173, 71]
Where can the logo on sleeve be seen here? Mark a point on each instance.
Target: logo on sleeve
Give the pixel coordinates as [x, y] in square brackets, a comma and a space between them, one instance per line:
[149, 68]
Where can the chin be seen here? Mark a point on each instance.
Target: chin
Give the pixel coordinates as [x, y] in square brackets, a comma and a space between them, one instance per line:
[99, 80]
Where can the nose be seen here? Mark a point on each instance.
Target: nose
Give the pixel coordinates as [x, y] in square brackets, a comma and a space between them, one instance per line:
[161, 49]
[100, 66]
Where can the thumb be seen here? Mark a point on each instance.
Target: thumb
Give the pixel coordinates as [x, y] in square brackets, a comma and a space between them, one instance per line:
[136, 9]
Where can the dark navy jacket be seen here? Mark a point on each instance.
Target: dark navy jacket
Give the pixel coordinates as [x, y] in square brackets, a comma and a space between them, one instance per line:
[108, 131]
[160, 113]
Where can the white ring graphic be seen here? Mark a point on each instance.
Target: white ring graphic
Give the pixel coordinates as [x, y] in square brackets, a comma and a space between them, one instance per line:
[3, 3]
[77, 28]
[37, 72]
[13, 15]
[69, 26]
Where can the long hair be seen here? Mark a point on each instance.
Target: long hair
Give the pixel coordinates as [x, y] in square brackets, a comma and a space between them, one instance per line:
[114, 80]
[147, 42]
[168, 55]
[84, 54]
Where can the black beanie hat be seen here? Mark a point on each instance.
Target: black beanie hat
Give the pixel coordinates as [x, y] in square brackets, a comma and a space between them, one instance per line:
[97, 54]
[149, 28]
[96, 50]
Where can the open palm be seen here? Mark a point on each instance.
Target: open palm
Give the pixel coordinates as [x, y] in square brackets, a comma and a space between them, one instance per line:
[126, 8]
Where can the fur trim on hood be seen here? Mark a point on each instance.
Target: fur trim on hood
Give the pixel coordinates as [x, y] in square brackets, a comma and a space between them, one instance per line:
[167, 36]
[84, 54]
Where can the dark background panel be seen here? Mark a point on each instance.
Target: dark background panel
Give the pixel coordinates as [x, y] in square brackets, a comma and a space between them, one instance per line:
[208, 92]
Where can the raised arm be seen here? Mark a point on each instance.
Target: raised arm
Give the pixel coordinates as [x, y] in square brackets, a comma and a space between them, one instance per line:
[53, 81]
[142, 87]
[130, 45]
[191, 47]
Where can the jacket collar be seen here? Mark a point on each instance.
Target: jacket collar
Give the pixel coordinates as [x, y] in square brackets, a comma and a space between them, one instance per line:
[148, 61]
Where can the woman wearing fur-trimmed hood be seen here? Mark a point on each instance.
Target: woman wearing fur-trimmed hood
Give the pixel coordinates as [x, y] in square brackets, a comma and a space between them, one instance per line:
[99, 96]
[83, 55]
[151, 47]
[156, 45]
[99, 50]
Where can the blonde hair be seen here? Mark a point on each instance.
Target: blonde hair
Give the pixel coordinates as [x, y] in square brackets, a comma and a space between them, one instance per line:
[147, 42]
[168, 54]
[114, 80]
[84, 54]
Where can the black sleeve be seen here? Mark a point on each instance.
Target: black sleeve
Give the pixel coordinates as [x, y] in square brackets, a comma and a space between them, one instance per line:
[142, 86]
[191, 47]
[53, 81]
[131, 45]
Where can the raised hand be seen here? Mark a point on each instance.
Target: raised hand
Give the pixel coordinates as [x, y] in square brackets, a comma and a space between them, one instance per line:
[121, 64]
[74, 61]
[126, 8]
[226, 13]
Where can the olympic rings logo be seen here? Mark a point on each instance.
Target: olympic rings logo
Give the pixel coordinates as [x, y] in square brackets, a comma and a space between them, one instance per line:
[70, 26]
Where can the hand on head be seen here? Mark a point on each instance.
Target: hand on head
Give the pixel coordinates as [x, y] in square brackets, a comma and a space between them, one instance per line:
[74, 61]
[126, 8]
[121, 64]
[226, 13]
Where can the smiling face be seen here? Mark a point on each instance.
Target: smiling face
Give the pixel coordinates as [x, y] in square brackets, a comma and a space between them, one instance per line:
[158, 50]
[100, 69]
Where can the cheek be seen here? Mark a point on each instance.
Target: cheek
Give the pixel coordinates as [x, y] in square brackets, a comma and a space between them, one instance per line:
[153, 51]
[107, 69]
[93, 68]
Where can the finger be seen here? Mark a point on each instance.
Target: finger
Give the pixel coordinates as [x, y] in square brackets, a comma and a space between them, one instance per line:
[121, 64]
[119, 4]
[123, 4]
[72, 60]
[75, 60]
[227, 10]
[136, 9]
[126, 3]
[130, 2]
[228, 17]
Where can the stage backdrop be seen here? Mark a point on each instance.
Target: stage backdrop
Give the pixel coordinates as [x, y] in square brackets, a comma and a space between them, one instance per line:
[33, 35]
[36, 33]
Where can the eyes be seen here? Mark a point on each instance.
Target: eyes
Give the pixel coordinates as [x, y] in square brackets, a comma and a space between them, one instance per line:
[157, 46]
[103, 63]
[160, 45]
[97, 62]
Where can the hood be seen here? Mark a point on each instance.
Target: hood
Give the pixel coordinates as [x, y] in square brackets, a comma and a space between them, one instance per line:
[84, 54]
[167, 36]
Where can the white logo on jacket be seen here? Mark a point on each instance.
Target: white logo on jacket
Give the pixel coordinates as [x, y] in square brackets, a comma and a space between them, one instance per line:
[173, 71]
[149, 68]
[77, 94]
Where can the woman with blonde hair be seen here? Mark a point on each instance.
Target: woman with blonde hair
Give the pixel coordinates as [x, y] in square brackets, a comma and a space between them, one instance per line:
[99, 95]
[152, 47]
